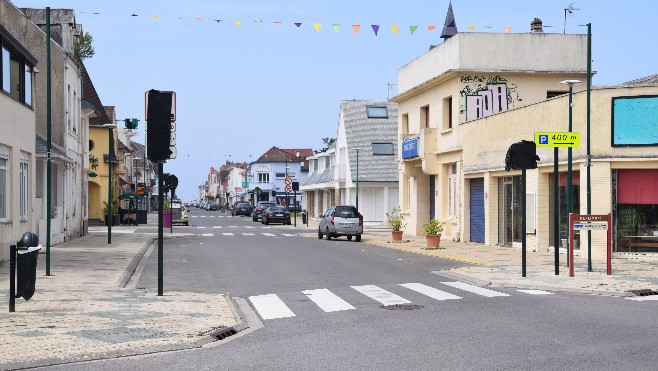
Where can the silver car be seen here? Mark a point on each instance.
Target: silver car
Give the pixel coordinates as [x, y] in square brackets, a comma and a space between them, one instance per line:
[341, 220]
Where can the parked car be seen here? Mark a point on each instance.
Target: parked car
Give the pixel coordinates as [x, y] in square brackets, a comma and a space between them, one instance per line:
[241, 208]
[275, 214]
[341, 220]
[260, 208]
[212, 206]
[184, 215]
[293, 207]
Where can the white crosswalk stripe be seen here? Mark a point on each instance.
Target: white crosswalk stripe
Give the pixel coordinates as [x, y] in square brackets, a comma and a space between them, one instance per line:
[288, 234]
[270, 306]
[269, 234]
[194, 216]
[248, 234]
[250, 226]
[535, 292]
[228, 234]
[327, 300]
[644, 298]
[207, 234]
[200, 227]
[217, 226]
[474, 289]
[232, 226]
[430, 291]
[377, 293]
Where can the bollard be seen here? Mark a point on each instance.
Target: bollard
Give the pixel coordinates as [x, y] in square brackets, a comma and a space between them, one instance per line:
[12, 278]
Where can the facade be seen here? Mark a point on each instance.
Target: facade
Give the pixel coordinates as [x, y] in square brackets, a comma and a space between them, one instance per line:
[367, 131]
[18, 107]
[269, 172]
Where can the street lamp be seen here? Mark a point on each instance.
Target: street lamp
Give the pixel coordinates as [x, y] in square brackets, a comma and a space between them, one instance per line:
[357, 177]
[571, 83]
[110, 155]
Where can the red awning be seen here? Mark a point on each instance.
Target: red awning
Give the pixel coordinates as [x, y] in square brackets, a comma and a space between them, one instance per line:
[575, 178]
[637, 186]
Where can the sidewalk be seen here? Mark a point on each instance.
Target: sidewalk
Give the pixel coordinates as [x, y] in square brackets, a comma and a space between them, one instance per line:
[81, 311]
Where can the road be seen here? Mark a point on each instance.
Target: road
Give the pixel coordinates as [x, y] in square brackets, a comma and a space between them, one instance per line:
[332, 305]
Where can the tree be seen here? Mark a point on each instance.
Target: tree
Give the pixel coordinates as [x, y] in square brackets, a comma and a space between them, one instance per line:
[327, 143]
[83, 47]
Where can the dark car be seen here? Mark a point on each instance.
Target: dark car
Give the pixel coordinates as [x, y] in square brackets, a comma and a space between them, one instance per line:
[241, 208]
[212, 206]
[260, 208]
[275, 214]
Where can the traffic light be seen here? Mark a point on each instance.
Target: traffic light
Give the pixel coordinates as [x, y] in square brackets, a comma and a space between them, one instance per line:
[131, 123]
[274, 194]
[521, 156]
[158, 125]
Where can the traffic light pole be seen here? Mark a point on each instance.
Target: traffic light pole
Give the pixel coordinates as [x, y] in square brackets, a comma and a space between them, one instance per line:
[160, 225]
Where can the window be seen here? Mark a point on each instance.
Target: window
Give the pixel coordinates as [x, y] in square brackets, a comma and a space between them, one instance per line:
[91, 145]
[382, 149]
[24, 189]
[425, 117]
[263, 177]
[28, 84]
[447, 113]
[553, 94]
[377, 112]
[5, 70]
[3, 188]
[405, 124]
[283, 175]
[16, 70]
[452, 192]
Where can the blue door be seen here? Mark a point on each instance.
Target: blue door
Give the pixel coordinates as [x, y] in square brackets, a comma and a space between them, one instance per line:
[477, 210]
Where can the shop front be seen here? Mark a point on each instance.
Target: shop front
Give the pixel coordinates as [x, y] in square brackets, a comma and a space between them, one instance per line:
[635, 215]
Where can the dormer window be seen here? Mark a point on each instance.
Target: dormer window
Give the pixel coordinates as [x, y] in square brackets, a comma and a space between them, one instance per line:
[382, 149]
[377, 112]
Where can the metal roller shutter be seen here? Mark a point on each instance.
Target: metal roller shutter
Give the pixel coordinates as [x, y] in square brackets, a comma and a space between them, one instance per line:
[477, 210]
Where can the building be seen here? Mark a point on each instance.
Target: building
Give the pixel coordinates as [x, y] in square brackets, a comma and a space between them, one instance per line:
[18, 107]
[365, 149]
[268, 174]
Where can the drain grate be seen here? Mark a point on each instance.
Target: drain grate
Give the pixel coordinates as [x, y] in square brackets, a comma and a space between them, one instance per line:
[223, 333]
[402, 307]
[645, 292]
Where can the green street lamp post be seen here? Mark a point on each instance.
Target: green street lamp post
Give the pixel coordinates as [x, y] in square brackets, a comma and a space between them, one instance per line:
[110, 131]
[357, 176]
[571, 83]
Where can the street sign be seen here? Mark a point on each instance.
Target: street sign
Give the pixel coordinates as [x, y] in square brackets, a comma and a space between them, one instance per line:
[173, 152]
[173, 127]
[288, 181]
[172, 139]
[288, 188]
[557, 139]
[590, 226]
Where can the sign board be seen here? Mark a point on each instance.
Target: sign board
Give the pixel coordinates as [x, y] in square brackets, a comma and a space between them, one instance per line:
[589, 218]
[288, 181]
[173, 152]
[288, 188]
[173, 127]
[634, 121]
[410, 148]
[172, 139]
[590, 226]
[557, 139]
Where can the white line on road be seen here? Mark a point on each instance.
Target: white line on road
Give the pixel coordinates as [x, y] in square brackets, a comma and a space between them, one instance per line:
[269, 234]
[270, 307]
[194, 216]
[207, 234]
[249, 226]
[474, 289]
[232, 226]
[228, 234]
[327, 300]
[288, 234]
[200, 227]
[430, 291]
[266, 227]
[248, 234]
[381, 295]
[203, 216]
[644, 298]
[217, 226]
[535, 292]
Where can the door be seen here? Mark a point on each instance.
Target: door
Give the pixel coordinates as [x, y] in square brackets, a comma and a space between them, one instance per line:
[509, 211]
[477, 210]
[432, 195]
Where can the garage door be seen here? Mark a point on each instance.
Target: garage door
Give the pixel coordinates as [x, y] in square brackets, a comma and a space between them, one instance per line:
[477, 210]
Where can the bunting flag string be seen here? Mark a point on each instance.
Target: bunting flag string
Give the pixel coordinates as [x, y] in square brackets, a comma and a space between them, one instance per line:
[318, 26]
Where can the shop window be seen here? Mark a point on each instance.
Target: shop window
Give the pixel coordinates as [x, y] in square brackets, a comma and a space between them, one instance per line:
[3, 188]
[636, 210]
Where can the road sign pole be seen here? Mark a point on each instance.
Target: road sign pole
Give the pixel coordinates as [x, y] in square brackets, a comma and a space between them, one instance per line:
[556, 211]
[160, 226]
[570, 255]
[609, 244]
[523, 224]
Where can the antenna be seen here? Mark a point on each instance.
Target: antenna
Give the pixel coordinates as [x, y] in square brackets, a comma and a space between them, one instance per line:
[570, 9]
[390, 86]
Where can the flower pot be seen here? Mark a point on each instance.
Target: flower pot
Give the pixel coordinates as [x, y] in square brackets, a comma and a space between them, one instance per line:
[396, 235]
[166, 219]
[433, 240]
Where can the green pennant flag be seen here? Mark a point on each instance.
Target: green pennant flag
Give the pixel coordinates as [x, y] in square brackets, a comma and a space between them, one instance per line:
[413, 29]
[336, 27]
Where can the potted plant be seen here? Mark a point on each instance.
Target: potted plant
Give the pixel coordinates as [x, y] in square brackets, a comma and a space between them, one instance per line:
[433, 229]
[395, 221]
[115, 212]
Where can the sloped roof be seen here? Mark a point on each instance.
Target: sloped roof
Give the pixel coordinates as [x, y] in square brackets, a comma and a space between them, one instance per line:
[647, 80]
[41, 147]
[362, 131]
[276, 154]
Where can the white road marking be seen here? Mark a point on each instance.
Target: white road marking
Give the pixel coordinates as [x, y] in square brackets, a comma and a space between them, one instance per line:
[194, 216]
[535, 292]
[644, 298]
[217, 226]
[327, 300]
[381, 295]
[207, 234]
[200, 227]
[288, 234]
[474, 289]
[248, 234]
[249, 226]
[266, 227]
[232, 226]
[270, 307]
[203, 216]
[228, 234]
[430, 291]
[269, 234]
[212, 216]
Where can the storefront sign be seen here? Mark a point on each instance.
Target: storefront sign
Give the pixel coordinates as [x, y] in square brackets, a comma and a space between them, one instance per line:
[410, 148]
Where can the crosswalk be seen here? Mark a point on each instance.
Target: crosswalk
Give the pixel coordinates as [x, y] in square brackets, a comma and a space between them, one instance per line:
[237, 234]
[271, 306]
[216, 216]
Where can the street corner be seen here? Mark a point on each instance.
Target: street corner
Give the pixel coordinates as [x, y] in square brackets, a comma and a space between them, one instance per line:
[417, 246]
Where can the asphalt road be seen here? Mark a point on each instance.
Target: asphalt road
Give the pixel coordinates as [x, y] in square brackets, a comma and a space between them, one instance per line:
[280, 274]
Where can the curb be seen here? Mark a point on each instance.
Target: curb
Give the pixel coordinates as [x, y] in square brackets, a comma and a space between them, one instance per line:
[130, 270]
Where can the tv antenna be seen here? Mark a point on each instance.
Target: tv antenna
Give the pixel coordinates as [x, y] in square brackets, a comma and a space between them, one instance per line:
[568, 10]
[390, 86]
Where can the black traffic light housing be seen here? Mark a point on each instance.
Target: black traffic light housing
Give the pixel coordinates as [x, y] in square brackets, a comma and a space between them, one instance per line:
[131, 123]
[521, 156]
[158, 125]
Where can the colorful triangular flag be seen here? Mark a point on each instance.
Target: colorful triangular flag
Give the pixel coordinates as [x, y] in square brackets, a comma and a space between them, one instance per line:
[317, 26]
[238, 22]
[356, 27]
[430, 28]
[375, 28]
[413, 29]
[395, 30]
[336, 27]
[297, 24]
[470, 27]
[508, 29]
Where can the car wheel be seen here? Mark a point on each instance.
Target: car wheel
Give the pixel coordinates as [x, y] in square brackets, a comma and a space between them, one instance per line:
[328, 234]
[267, 222]
[349, 238]
[358, 238]
[320, 234]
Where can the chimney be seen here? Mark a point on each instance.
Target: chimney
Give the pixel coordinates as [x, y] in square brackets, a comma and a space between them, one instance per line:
[536, 26]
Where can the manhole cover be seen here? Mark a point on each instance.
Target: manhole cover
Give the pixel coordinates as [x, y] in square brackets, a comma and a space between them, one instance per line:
[645, 292]
[402, 307]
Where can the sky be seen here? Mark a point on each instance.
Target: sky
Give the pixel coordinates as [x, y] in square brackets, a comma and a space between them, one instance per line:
[242, 89]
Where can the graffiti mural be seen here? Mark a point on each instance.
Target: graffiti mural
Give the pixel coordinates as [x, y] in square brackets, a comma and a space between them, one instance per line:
[484, 96]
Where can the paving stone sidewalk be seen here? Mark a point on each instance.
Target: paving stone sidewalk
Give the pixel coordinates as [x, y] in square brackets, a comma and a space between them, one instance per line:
[81, 312]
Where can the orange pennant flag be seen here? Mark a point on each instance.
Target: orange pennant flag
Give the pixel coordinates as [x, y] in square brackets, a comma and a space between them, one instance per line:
[277, 22]
[317, 26]
[431, 27]
[395, 30]
[508, 29]
[356, 27]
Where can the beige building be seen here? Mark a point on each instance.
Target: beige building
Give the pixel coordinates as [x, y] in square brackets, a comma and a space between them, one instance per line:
[463, 103]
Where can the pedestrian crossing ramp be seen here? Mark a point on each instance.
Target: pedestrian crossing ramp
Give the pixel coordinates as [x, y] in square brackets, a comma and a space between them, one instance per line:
[272, 306]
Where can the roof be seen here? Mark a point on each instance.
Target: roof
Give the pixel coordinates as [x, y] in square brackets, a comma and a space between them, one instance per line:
[90, 95]
[276, 154]
[55, 152]
[647, 80]
[362, 131]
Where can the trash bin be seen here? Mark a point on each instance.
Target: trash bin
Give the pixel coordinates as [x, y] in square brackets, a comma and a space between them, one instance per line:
[304, 216]
[28, 252]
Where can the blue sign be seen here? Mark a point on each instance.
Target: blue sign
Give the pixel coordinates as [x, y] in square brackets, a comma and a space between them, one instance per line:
[543, 139]
[635, 121]
[410, 148]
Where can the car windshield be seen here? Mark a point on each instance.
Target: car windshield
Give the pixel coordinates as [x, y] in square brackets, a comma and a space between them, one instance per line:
[242, 204]
[346, 212]
[276, 209]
